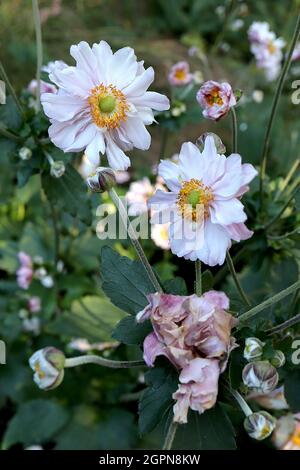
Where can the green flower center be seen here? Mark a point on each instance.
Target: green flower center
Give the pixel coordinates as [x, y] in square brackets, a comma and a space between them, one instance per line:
[107, 104]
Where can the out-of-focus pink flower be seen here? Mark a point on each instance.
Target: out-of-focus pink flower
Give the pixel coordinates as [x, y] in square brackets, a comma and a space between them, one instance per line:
[34, 304]
[45, 87]
[274, 400]
[198, 388]
[160, 236]
[122, 177]
[25, 271]
[208, 326]
[138, 195]
[266, 48]
[296, 53]
[215, 99]
[180, 75]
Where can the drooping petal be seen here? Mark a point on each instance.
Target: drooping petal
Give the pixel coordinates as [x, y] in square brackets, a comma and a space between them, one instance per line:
[96, 146]
[116, 157]
[137, 133]
[238, 232]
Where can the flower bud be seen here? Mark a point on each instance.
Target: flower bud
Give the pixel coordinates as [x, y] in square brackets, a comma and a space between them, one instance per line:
[221, 149]
[260, 425]
[238, 94]
[48, 366]
[278, 360]
[102, 180]
[25, 153]
[57, 169]
[253, 349]
[260, 376]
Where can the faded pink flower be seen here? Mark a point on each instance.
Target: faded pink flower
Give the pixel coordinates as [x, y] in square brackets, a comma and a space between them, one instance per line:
[208, 326]
[215, 99]
[179, 74]
[34, 304]
[25, 271]
[198, 388]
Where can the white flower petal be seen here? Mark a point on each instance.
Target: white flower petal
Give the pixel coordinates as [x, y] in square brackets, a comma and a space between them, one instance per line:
[137, 133]
[123, 67]
[227, 212]
[170, 172]
[84, 57]
[139, 86]
[96, 146]
[103, 54]
[152, 99]
[116, 157]
[62, 106]
[190, 161]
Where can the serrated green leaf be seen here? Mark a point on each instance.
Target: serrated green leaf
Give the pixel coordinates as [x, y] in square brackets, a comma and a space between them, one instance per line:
[128, 331]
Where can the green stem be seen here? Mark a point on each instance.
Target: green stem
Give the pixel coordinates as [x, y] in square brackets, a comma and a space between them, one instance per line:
[253, 312]
[134, 240]
[100, 361]
[287, 179]
[283, 326]
[275, 104]
[198, 283]
[56, 233]
[39, 50]
[285, 235]
[11, 90]
[9, 135]
[170, 436]
[279, 214]
[242, 403]
[234, 130]
[235, 278]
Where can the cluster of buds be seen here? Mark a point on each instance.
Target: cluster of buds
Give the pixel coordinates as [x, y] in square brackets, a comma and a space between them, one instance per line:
[48, 366]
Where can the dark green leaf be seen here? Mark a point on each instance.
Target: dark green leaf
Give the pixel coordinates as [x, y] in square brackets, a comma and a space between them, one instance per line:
[128, 331]
[124, 281]
[292, 390]
[176, 286]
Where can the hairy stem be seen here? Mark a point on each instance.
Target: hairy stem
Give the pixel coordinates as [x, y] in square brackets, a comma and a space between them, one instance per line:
[170, 436]
[100, 361]
[234, 130]
[283, 326]
[253, 312]
[274, 108]
[236, 281]
[39, 50]
[134, 240]
[198, 281]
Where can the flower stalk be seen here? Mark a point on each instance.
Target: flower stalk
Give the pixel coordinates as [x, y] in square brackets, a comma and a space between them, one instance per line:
[236, 280]
[198, 283]
[170, 436]
[253, 312]
[242, 403]
[39, 51]
[101, 361]
[275, 104]
[134, 239]
[234, 130]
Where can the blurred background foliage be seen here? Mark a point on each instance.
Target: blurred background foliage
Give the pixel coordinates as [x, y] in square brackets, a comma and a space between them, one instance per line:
[97, 408]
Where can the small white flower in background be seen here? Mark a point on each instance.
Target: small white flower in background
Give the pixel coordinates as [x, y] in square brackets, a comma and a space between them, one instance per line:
[45, 87]
[237, 24]
[34, 304]
[258, 96]
[32, 325]
[260, 425]
[48, 366]
[102, 104]
[198, 77]
[47, 281]
[180, 74]
[178, 109]
[160, 235]
[25, 153]
[203, 205]
[57, 169]
[260, 376]
[38, 260]
[137, 196]
[266, 48]
[220, 10]
[253, 349]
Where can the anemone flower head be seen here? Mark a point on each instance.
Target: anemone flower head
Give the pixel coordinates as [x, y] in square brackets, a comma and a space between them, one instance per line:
[203, 205]
[102, 104]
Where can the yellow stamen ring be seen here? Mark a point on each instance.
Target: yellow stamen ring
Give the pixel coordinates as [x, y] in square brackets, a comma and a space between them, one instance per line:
[108, 106]
[194, 199]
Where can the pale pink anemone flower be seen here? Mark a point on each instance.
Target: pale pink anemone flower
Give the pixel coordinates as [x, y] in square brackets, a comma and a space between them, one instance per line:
[160, 235]
[198, 388]
[102, 105]
[44, 87]
[25, 271]
[203, 205]
[266, 48]
[179, 74]
[138, 195]
[185, 327]
[215, 99]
